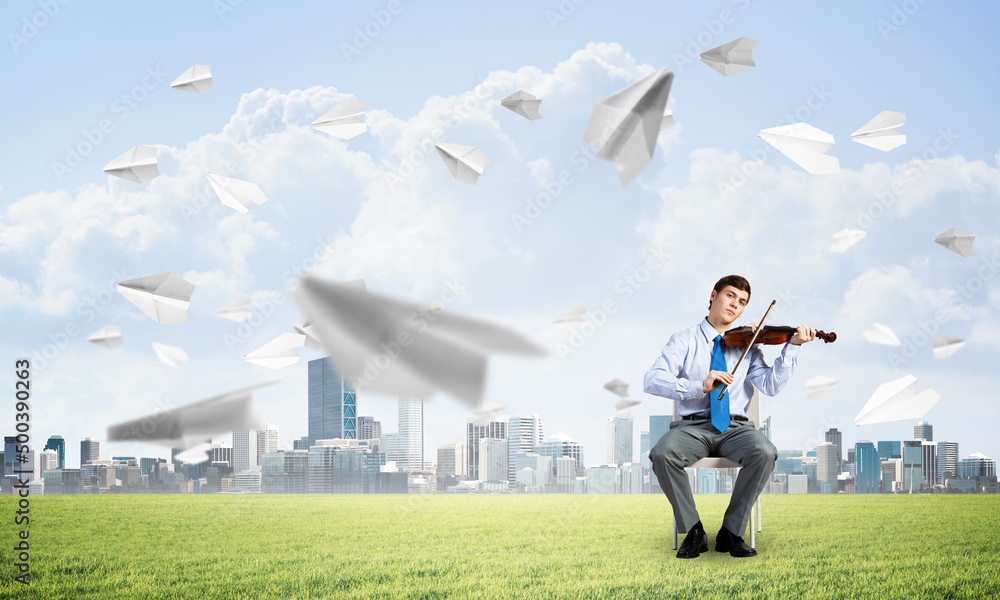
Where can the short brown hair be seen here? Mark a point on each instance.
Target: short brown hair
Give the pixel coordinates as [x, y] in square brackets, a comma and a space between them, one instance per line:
[736, 281]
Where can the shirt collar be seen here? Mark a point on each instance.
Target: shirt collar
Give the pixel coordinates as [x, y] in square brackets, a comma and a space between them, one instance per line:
[708, 331]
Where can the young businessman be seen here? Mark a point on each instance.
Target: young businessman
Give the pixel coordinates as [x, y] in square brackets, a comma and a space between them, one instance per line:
[692, 369]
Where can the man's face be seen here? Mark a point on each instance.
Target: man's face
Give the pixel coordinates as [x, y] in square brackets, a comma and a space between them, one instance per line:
[728, 305]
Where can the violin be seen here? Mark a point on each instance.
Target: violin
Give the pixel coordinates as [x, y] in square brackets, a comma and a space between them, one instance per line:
[769, 334]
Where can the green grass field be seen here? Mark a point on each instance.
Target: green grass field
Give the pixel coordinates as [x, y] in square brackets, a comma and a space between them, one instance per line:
[510, 546]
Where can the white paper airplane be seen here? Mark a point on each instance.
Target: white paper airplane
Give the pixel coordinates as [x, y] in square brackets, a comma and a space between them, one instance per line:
[805, 145]
[668, 120]
[312, 341]
[170, 355]
[164, 297]
[880, 133]
[945, 346]
[880, 334]
[236, 193]
[342, 120]
[385, 345]
[626, 407]
[238, 310]
[279, 352]
[138, 164]
[897, 400]
[196, 454]
[523, 104]
[819, 386]
[617, 386]
[732, 57]
[466, 163]
[190, 424]
[845, 238]
[109, 336]
[624, 126]
[956, 240]
[197, 79]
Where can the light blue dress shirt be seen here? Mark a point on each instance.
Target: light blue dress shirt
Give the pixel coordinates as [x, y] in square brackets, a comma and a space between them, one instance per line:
[680, 370]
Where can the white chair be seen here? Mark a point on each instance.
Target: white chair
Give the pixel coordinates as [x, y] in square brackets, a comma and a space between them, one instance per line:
[714, 462]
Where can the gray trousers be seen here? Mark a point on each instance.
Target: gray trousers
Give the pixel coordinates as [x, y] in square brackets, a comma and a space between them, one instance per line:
[688, 441]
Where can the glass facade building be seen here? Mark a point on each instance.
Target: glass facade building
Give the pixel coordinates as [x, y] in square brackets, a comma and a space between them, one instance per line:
[332, 404]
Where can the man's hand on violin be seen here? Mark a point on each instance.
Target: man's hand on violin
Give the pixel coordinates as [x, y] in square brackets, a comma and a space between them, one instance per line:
[715, 379]
[803, 334]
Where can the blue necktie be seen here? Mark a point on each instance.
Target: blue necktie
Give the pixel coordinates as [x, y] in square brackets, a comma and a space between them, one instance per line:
[720, 410]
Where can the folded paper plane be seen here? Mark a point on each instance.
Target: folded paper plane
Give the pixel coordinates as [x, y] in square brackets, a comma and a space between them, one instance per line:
[897, 400]
[466, 163]
[197, 79]
[819, 386]
[845, 238]
[956, 240]
[880, 334]
[342, 120]
[945, 346]
[626, 407]
[279, 352]
[196, 454]
[164, 297]
[880, 133]
[523, 104]
[170, 355]
[109, 336]
[805, 145]
[668, 120]
[732, 57]
[618, 387]
[138, 164]
[393, 347]
[236, 193]
[238, 310]
[312, 341]
[624, 126]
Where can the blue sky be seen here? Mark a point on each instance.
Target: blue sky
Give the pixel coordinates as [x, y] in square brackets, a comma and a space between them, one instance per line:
[65, 235]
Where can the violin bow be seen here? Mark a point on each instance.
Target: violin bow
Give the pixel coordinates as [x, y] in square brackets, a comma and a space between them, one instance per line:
[753, 338]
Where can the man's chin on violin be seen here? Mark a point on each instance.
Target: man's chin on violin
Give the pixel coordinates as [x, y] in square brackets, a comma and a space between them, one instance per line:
[709, 421]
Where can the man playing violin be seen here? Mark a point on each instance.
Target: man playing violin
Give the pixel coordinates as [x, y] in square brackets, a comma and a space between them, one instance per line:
[692, 369]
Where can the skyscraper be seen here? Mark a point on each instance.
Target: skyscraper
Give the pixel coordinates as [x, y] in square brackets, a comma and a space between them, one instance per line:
[244, 450]
[947, 460]
[523, 434]
[47, 459]
[869, 468]
[923, 431]
[928, 458]
[890, 449]
[90, 449]
[836, 438]
[913, 473]
[411, 432]
[452, 460]
[493, 459]
[619, 441]
[658, 425]
[558, 446]
[332, 403]
[58, 444]
[267, 441]
[221, 453]
[977, 464]
[826, 464]
[496, 430]
[369, 428]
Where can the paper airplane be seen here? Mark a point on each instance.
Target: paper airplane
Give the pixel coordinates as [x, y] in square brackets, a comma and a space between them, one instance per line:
[668, 120]
[466, 163]
[109, 336]
[732, 57]
[880, 334]
[819, 386]
[384, 345]
[138, 164]
[190, 424]
[618, 387]
[238, 310]
[197, 79]
[945, 346]
[279, 352]
[845, 238]
[164, 297]
[236, 193]
[523, 104]
[312, 341]
[624, 126]
[880, 133]
[626, 407]
[572, 317]
[170, 355]
[196, 454]
[342, 120]
[805, 145]
[956, 240]
[897, 400]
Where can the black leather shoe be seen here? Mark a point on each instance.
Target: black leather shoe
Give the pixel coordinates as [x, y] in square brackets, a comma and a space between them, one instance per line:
[733, 544]
[695, 543]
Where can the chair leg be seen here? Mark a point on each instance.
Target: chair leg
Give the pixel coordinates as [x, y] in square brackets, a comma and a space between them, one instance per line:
[760, 524]
[753, 531]
[675, 533]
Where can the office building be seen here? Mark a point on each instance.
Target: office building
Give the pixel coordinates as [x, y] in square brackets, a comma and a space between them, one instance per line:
[977, 464]
[90, 449]
[619, 441]
[452, 460]
[913, 473]
[602, 479]
[523, 434]
[411, 434]
[47, 459]
[658, 425]
[797, 483]
[836, 438]
[826, 463]
[631, 478]
[267, 441]
[890, 449]
[343, 467]
[493, 460]
[284, 472]
[923, 431]
[57, 443]
[244, 450]
[892, 475]
[644, 450]
[947, 461]
[560, 445]
[369, 428]
[566, 469]
[869, 468]
[332, 404]
[928, 457]
[476, 431]
[247, 481]
[221, 453]
[540, 465]
[10, 456]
